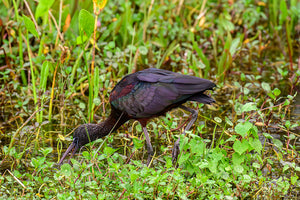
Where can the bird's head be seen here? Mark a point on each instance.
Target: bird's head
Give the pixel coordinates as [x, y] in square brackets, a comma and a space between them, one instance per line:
[81, 136]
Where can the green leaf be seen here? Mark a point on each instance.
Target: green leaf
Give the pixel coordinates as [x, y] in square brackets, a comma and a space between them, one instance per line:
[86, 155]
[266, 86]
[111, 45]
[46, 151]
[291, 137]
[226, 24]
[271, 95]
[255, 144]
[68, 69]
[183, 142]
[216, 155]
[183, 158]
[228, 42]
[267, 135]
[243, 77]
[168, 160]
[43, 8]
[133, 176]
[276, 92]
[38, 162]
[213, 164]
[238, 168]
[243, 128]
[109, 151]
[34, 162]
[143, 50]
[82, 105]
[100, 3]
[285, 167]
[132, 48]
[231, 139]
[66, 170]
[247, 178]
[218, 119]
[237, 159]
[240, 147]
[197, 146]
[81, 39]
[256, 165]
[137, 143]
[254, 131]
[277, 143]
[234, 45]
[97, 101]
[201, 54]
[227, 120]
[288, 124]
[44, 74]
[86, 23]
[294, 179]
[284, 11]
[249, 107]
[30, 26]
[5, 150]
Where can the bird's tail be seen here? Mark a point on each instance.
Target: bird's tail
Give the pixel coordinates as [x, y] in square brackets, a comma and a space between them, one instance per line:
[202, 98]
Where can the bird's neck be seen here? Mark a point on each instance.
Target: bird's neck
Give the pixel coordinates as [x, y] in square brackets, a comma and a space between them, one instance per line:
[112, 123]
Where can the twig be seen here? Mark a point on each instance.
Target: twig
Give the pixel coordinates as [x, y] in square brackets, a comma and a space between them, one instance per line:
[124, 190]
[15, 178]
[32, 17]
[19, 129]
[56, 25]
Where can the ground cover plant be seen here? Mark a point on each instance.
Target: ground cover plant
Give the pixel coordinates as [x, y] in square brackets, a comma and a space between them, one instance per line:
[60, 60]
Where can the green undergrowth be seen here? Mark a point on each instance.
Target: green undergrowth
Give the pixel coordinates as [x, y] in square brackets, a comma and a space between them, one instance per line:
[238, 171]
[236, 167]
[59, 60]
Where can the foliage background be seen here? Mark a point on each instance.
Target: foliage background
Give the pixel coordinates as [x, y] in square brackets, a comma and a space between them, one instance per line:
[60, 59]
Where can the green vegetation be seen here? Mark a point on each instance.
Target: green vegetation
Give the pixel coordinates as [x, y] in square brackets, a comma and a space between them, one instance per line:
[60, 60]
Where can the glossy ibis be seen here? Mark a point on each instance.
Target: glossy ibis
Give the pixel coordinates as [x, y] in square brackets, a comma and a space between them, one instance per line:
[141, 96]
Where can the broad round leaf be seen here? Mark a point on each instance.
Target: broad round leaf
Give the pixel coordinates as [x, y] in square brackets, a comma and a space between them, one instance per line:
[143, 50]
[243, 128]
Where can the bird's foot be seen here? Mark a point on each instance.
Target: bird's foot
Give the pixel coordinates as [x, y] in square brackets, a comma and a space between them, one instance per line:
[175, 152]
[149, 160]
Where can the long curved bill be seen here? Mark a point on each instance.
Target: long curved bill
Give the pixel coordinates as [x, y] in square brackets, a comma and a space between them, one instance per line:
[73, 147]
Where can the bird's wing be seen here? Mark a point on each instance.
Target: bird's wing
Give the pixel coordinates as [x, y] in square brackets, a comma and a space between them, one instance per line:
[151, 92]
[185, 84]
[147, 99]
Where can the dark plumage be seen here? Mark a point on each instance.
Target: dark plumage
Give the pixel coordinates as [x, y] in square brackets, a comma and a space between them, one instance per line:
[141, 96]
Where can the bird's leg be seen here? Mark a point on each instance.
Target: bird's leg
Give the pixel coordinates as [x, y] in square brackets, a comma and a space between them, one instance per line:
[149, 146]
[176, 150]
